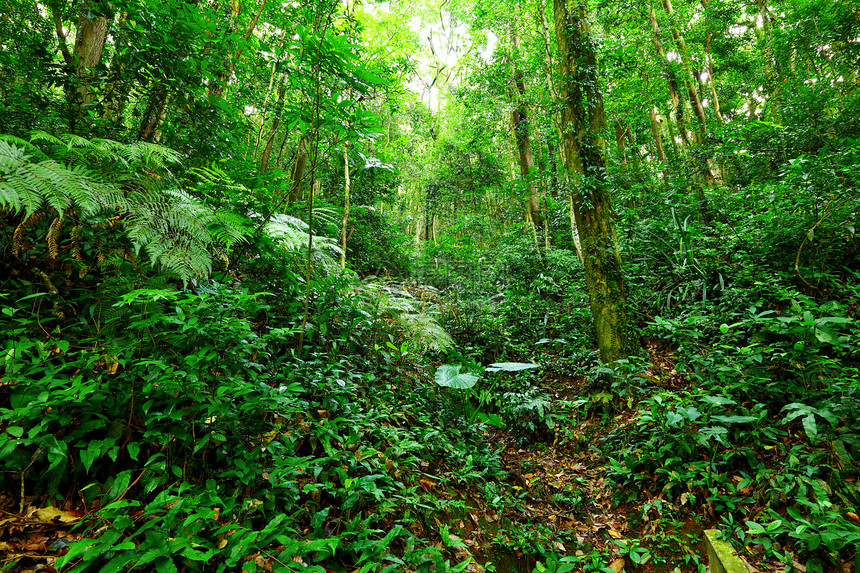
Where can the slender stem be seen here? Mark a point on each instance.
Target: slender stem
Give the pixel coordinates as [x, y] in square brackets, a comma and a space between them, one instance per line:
[316, 142]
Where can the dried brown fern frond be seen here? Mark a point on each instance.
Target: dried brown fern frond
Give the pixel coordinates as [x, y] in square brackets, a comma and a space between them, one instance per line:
[54, 237]
[76, 243]
[18, 235]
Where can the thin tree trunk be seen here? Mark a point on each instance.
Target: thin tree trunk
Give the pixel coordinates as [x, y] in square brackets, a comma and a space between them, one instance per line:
[298, 171]
[706, 173]
[585, 153]
[279, 108]
[689, 82]
[116, 92]
[267, 96]
[345, 207]
[765, 38]
[671, 79]
[154, 111]
[520, 125]
[655, 133]
[621, 142]
[712, 80]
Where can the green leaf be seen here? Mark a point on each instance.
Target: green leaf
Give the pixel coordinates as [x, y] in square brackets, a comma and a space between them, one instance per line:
[716, 432]
[810, 427]
[755, 527]
[718, 400]
[165, 565]
[735, 419]
[510, 366]
[492, 419]
[120, 484]
[449, 376]
[824, 334]
[118, 563]
[90, 455]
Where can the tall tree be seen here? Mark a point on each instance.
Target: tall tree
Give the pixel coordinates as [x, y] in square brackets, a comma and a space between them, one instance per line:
[583, 126]
[520, 125]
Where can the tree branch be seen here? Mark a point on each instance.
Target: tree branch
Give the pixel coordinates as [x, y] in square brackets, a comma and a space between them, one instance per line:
[61, 36]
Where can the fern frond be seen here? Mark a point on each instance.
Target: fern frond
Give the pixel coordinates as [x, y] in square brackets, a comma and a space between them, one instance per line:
[73, 141]
[24, 145]
[426, 332]
[172, 228]
[292, 232]
[215, 176]
[327, 216]
[27, 185]
[230, 228]
[46, 137]
[152, 155]
[420, 328]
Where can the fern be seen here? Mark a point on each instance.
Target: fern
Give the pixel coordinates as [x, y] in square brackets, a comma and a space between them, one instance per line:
[75, 149]
[175, 230]
[29, 186]
[419, 326]
[426, 332]
[292, 233]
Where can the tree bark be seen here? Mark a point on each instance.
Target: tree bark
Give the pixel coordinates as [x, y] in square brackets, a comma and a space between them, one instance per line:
[689, 84]
[154, 111]
[584, 123]
[671, 79]
[345, 207]
[520, 125]
[115, 94]
[711, 79]
[765, 38]
[298, 171]
[655, 132]
[89, 43]
[279, 108]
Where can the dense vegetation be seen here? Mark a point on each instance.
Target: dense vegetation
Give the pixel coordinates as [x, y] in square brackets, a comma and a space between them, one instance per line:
[448, 286]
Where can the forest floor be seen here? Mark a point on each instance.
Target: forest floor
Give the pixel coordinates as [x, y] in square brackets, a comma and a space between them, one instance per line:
[557, 490]
[563, 497]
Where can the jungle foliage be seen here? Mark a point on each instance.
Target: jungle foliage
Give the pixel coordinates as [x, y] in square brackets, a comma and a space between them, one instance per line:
[190, 381]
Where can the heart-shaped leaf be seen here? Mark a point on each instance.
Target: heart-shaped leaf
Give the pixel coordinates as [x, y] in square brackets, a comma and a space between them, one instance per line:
[449, 376]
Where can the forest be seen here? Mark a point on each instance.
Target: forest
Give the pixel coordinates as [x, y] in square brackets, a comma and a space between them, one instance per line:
[432, 286]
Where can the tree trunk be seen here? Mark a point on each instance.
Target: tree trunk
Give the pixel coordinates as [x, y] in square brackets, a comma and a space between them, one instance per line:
[86, 53]
[520, 125]
[655, 132]
[621, 142]
[345, 207]
[711, 79]
[765, 38]
[298, 171]
[584, 124]
[89, 43]
[154, 111]
[707, 173]
[116, 92]
[267, 151]
[671, 79]
[695, 102]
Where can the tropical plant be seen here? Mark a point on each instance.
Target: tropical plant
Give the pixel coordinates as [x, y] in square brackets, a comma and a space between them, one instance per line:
[98, 183]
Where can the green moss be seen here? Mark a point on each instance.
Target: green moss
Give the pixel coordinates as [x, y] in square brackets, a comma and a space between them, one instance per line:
[722, 558]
